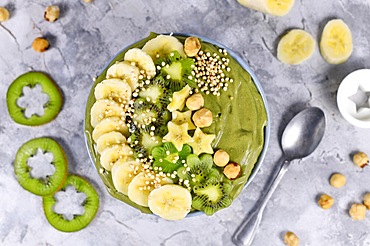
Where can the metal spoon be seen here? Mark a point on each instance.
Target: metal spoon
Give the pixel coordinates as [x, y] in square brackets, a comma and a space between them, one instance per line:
[300, 138]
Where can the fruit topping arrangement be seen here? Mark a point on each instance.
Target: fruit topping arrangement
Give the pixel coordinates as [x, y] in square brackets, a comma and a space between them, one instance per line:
[154, 134]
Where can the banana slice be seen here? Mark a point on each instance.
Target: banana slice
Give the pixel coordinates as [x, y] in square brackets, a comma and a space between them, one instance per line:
[179, 98]
[123, 171]
[142, 59]
[108, 125]
[163, 45]
[336, 42]
[112, 154]
[125, 71]
[141, 186]
[105, 108]
[295, 47]
[171, 202]
[108, 139]
[274, 7]
[113, 89]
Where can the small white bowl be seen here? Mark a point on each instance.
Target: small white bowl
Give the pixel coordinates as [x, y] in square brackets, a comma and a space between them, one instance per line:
[353, 98]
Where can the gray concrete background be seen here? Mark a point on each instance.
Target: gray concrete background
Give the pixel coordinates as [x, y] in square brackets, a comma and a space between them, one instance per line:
[87, 35]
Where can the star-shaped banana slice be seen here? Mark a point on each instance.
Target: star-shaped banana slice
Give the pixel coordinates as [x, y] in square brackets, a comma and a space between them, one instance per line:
[181, 118]
[179, 98]
[178, 135]
[202, 142]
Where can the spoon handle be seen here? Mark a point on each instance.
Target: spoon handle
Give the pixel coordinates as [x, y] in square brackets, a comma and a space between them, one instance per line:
[245, 233]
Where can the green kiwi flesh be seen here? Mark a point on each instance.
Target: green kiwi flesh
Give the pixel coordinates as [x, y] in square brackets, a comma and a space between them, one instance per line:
[168, 159]
[31, 79]
[91, 206]
[142, 141]
[40, 186]
[199, 168]
[156, 92]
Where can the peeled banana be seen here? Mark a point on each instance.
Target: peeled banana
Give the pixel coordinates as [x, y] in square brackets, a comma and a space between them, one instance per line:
[171, 202]
[163, 45]
[113, 89]
[125, 71]
[142, 59]
[295, 47]
[112, 154]
[123, 171]
[108, 139]
[108, 125]
[336, 42]
[274, 7]
[104, 108]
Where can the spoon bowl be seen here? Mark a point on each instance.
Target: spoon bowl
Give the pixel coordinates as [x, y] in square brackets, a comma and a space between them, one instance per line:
[300, 138]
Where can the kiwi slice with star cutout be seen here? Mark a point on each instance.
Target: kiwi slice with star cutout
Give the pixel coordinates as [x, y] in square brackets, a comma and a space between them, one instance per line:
[78, 221]
[176, 71]
[31, 80]
[29, 177]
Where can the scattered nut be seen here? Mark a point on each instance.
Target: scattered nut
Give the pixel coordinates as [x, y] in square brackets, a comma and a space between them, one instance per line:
[202, 118]
[195, 102]
[361, 159]
[291, 239]
[367, 200]
[192, 46]
[357, 211]
[232, 170]
[51, 13]
[221, 158]
[337, 180]
[4, 14]
[88, 1]
[325, 201]
[40, 44]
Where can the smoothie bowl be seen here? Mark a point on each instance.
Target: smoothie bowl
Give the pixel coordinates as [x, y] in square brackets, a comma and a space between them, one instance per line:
[176, 125]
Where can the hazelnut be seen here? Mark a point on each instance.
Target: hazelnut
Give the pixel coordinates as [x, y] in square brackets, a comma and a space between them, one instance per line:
[40, 44]
[367, 200]
[337, 180]
[195, 102]
[4, 14]
[291, 239]
[357, 211]
[88, 1]
[232, 170]
[361, 159]
[202, 118]
[51, 13]
[325, 201]
[191, 46]
[221, 158]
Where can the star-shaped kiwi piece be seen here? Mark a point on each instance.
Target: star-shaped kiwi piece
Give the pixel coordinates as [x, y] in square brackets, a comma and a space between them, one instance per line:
[202, 142]
[181, 118]
[178, 135]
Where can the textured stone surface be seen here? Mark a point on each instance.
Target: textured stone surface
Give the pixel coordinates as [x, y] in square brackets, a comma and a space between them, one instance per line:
[87, 35]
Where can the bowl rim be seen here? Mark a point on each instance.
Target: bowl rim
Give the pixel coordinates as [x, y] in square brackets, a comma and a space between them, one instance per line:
[243, 63]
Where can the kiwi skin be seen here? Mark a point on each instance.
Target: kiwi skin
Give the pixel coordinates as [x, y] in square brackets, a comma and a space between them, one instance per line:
[52, 108]
[91, 206]
[41, 187]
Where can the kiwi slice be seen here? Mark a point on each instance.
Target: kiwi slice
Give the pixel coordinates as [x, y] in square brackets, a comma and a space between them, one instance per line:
[156, 92]
[78, 222]
[198, 169]
[145, 113]
[41, 185]
[15, 92]
[168, 159]
[176, 71]
[211, 196]
[143, 140]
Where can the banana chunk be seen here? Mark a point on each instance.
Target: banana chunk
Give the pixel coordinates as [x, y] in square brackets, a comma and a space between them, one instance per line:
[112, 154]
[125, 71]
[171, 202]
[142, 59]
[123, 171]
[274, 7]
[162, 45]
[109, 139]
[295, 47]
[141, 186]
[336, 42]
[110, 124]
[113, 89]
[105, 108]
